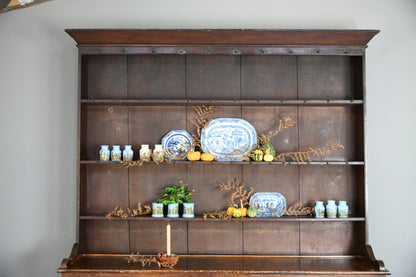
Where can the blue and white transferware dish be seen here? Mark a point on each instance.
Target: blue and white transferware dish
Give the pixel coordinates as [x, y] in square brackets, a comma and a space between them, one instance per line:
[176, 144]
[229, 139]
[268, 204]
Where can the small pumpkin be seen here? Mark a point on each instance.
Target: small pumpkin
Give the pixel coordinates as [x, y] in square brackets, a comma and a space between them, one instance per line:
[268, 158]
[236, 213]
[243, 210]
[194, 156]
[230, 210]
[207, 157]
[252, 212]
[257, 154]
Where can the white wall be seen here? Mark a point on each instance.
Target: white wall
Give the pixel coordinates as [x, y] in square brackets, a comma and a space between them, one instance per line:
[38, 88]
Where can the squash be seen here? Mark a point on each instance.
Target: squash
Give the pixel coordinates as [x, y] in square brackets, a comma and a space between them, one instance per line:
[236, 213]
[230, 210]
[243, 210]
[268, 158]
[252, 212]
[257, 155]
[194, 156]
[268, 149]
[207, 157]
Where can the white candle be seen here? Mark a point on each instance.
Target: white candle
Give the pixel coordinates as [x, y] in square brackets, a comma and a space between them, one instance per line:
[168, 240]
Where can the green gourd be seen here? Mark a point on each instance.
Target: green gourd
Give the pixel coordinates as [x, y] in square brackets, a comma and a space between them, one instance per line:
[257, 154]
[236, 213]
[268, 149]
[252, 212]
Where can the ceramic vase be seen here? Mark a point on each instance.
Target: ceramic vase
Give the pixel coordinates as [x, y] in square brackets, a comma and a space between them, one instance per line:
[343, 209]
[157, 209]
[127, 153]
[188, 210]
[145, 153]
[319, 209]
[116, 153]
[158, 154]
[173, 210]
[331, 209]
[104, 153]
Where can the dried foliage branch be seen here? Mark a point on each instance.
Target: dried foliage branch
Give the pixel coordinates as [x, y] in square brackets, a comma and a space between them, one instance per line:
[217, 214]
[141, 210]
[239, 193]
[287, 122]
[146, 260]
[305, 155]
[201, 121]
[118, 212]
[238, 154]
[297, 208]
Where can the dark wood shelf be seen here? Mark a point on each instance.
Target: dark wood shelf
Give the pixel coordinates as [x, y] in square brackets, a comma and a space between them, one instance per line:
[222, 102]
[244, 219]
[93, 162]
[229, 265]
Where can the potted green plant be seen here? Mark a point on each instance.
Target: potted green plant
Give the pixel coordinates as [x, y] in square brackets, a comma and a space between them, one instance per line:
[175, 195]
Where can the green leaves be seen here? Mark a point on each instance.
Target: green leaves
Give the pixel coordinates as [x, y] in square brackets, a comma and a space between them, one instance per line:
[176, 194]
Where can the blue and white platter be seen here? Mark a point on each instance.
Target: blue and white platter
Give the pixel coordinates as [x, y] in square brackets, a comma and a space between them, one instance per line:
[176, 144]
[229, 139]
[268, 204]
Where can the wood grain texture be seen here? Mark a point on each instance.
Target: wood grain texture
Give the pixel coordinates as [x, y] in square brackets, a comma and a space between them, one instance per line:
[269, 77]
[212, 77]
[107, 236]
[106, 77]
[106, 125]
[150, 238]
[230, 265]
[156, 77]
[222, 37]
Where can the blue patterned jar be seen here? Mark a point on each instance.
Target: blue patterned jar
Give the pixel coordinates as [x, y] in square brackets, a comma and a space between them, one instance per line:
[331, 209]
[319, 209]
[343, 209]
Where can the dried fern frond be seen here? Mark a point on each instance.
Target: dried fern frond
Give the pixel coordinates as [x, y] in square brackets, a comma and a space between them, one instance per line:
[141, 210]
[297, 208]
[287, 122]
[239, 193]
[305, 155]
[201, 121]
[145, 260]
[217, 214]
[118, 212]
[131, 164]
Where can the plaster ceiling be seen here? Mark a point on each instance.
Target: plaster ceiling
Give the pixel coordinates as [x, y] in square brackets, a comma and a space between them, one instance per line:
[10, 5]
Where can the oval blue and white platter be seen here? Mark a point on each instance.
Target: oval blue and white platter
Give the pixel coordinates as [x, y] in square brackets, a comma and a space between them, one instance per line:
[176, 144]
[268, 204]
[229, 139]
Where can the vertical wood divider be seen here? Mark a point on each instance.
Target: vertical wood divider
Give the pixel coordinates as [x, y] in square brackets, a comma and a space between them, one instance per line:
[299, 168]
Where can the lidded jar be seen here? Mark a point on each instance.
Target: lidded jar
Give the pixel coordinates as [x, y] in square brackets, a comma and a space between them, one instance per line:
[104, 153]
[127, 153]
[319, 209]
[343, 209]
[145, 153]
[331, 209]
[116, 153]
[158, 154]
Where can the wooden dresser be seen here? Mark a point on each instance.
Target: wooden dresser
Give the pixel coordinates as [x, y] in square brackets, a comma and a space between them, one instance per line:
[137, 85]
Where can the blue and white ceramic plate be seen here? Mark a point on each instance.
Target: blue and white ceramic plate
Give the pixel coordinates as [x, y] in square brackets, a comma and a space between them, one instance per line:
[229, 139]
[268, 204]
[176, 144]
